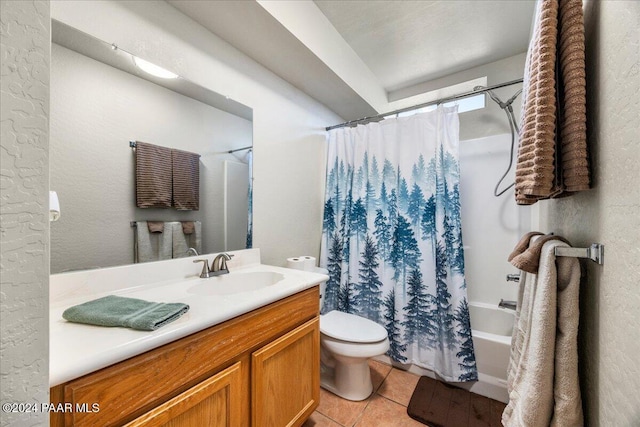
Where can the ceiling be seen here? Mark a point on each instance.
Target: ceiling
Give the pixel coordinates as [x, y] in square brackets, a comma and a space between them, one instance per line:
[409, 42]
[360, 57]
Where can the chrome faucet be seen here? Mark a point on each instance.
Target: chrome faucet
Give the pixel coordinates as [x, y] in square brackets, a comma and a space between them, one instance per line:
[190, 250]
[511, 305]
[205, 268]
[219, 264]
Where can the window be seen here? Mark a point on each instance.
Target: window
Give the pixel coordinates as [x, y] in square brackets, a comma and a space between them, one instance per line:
[471, 103]
[465, 104]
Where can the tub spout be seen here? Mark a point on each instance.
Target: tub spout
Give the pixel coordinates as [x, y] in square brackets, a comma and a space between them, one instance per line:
[511, 305]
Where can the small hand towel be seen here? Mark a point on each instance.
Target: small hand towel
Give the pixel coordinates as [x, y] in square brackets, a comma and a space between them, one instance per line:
[126, 312]
[529, 260]
[188, 227]
[523, 244]
[155, 226]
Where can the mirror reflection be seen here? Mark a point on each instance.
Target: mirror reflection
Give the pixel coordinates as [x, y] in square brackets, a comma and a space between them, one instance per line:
[100, 101]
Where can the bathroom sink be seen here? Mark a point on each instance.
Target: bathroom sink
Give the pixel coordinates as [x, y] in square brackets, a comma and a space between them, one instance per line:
[235, 283]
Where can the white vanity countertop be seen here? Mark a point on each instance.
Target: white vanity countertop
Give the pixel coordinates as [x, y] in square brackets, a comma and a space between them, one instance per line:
[78, 349]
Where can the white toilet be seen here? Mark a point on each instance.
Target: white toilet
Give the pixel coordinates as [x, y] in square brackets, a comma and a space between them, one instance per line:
[347, 342]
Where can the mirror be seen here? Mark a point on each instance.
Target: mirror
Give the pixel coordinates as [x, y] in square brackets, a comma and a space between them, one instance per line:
[100, 101]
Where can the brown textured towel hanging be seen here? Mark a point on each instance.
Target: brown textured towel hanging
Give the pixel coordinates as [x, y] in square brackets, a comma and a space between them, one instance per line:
[553, 156]
[153, 176]
[186, 180]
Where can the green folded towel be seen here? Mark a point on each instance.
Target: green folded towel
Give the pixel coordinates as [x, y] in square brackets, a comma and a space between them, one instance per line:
[128, 312]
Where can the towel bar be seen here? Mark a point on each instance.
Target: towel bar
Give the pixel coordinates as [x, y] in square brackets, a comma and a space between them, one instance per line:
[595, 252]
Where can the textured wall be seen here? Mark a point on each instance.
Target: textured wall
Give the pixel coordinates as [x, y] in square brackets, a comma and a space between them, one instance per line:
[95, 110]
[24, 229]
[610, 214]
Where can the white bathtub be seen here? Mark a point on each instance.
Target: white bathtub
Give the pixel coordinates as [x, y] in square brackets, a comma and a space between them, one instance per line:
[491, 329]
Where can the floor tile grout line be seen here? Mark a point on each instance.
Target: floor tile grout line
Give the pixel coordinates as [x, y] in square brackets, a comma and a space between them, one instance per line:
[384, 378]
[369, 399]
[363, 411]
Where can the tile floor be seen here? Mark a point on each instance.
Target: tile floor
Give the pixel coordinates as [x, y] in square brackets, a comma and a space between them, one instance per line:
[387, 405]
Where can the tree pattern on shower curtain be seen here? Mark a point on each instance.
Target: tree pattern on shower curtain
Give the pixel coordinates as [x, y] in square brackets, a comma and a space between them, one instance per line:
[392, 238]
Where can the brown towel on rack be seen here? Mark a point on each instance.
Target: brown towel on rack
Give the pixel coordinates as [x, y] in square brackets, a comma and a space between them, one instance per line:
[523, 244]
[573, 99]
[186, 180]
[153, 176]
[553, 157]
[188, 227]
[529, 259]
[155, 226]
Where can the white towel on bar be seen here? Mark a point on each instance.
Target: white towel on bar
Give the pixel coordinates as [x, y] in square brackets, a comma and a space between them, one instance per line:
[542, 379]
[152, 246]
[182, 242]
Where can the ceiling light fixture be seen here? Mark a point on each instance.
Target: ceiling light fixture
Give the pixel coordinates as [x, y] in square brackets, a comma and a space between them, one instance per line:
[153, 69]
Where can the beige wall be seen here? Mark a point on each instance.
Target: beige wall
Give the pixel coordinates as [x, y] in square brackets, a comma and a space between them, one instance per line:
[610, 214]
[24, 229]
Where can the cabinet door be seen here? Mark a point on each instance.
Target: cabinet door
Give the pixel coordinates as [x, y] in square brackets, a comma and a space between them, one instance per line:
[286, 378]
[215, 402]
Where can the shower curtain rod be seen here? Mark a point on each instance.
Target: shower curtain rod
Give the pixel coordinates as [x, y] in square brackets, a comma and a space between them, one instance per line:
[426, 104]
[240, 149]
[133, 144]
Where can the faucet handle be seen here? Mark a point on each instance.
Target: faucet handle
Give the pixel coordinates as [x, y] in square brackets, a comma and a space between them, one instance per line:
[513, 277]
[205, 268]
[223, 261]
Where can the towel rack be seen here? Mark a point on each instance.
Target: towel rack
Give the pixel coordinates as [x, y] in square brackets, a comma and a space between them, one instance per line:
[595, 252]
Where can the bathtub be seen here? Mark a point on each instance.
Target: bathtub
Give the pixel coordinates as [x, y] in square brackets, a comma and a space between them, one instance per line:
[491, 330]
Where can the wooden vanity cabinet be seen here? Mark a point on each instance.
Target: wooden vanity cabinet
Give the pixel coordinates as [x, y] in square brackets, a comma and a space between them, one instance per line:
[259, 369]
[285, 378]
[215, 401]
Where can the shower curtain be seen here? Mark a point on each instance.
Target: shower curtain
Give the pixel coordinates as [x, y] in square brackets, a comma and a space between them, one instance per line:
[392, 238]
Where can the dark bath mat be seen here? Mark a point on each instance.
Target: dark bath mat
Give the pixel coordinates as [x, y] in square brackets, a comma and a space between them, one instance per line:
[437, 404]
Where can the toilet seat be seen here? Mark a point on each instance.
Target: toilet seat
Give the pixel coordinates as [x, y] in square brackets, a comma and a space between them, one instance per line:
[351, 328]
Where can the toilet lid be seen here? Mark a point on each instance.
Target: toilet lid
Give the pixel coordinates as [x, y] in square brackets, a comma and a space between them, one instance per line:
[352, 328]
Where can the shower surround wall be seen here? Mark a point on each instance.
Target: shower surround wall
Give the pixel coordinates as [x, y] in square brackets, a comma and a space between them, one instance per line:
[491, 226]
[24, 229]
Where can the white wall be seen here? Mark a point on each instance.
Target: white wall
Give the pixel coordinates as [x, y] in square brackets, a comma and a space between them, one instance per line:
[24, 229]
[490, 226]
[609, 341]
[289, 136]
[492, 120]
[95, 111]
